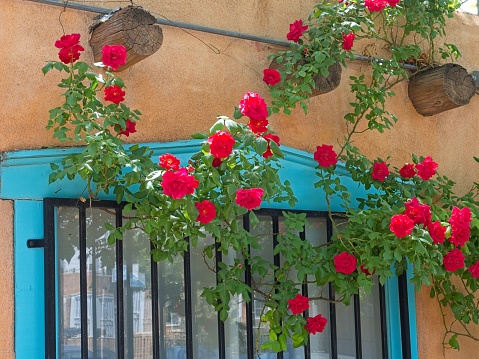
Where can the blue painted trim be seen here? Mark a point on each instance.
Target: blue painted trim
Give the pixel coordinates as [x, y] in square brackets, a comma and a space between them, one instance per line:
[29, 289]
[412, 313]
[393, 318]
[24, 174]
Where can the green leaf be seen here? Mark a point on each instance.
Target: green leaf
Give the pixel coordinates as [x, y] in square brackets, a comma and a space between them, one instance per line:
[453, 342]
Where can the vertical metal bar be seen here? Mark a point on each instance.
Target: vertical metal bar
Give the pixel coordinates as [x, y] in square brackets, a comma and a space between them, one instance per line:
[155, 325]
[357, 326]
[304, 289]
[161, 298]
[277, 257]
[221, 324]
[249, 305]
[83, 284]
[50, 279]
[332, 306]
[120, 309]
[188, 303]
[382, 310]
[404, 314]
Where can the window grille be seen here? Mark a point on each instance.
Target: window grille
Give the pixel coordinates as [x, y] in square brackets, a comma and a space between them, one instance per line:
[118, 303]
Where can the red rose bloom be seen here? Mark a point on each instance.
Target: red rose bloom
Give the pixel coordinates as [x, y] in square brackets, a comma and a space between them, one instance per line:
[393, 3]
[401, 225]
[178, 184]
[67, 41]
[114, 94]
[427, 168]
[407, 171]
[298, 304]
[113, 56]
[129, 129]
[380, 171]
[474, 270]
[216, 162]
[207, 211]
[169, 162]
[258, 126]
[375, 5]
[270, 137]
[71, 54]
[460, 222]
[348, 41]
[249, 198]
[325, 156]
[419, 213]
[315, 324]
[253, 106]
[454, 260]
[345, 263]
[271, 77]
[221, 144]
[296, 29]
[437, 232]
[366, 271]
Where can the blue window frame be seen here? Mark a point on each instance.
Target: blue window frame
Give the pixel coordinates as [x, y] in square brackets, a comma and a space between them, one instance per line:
[24, 179]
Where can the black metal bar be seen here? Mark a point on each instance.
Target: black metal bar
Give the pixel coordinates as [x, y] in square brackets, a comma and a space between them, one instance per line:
[384, 333]
[304, 290]
[221, 324]
[276, 258]
[120, 308]
[188, 303]
[249, 305]
[357, 326]
[404, 314]
[50, 279]
[332, 306]
[161, 298]
[155, 325]
[83, 284]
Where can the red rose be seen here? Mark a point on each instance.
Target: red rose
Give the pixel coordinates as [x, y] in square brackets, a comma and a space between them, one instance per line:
[401, 225]
[419, 213]
[114, 94]
[169, 162]
[366, 271]
[380, 171]
[315, 324]
[393, 3]
[270, 137]
[345, 263]
[258, 126]
[460, 222]
[178, 184]
[454, 260]
[207, 211]
[67, 41]
[437, 232]
[216, 162]
[427, 168]
[71, 54]
[298, 304]
[221, 144]
[249, 198]
[348, 41]
[130, 128]
[271, 77]
[375, 5]
[325, 156]
[113, 56]
[253, 106]
[407, 171]
[474, 270]
[296, 29]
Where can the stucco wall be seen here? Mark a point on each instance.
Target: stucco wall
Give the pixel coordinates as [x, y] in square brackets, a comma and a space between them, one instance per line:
[196, 76]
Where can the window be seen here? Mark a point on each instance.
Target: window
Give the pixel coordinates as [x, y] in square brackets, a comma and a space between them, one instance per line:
[113, 301]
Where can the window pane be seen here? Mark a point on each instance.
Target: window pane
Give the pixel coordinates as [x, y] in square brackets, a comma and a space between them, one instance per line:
[371, 324]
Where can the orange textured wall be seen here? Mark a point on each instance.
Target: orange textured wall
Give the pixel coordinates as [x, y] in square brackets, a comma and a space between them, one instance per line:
[196, 76]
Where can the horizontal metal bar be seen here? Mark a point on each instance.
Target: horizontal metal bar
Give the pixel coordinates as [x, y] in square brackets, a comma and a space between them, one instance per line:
[35, 243]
